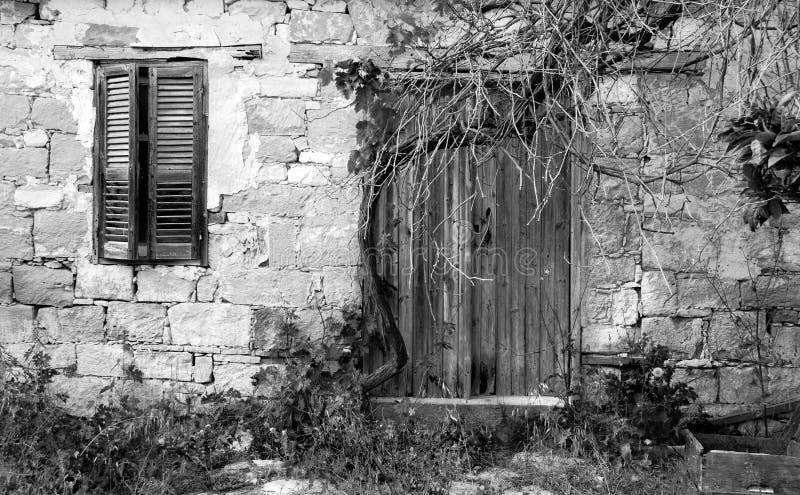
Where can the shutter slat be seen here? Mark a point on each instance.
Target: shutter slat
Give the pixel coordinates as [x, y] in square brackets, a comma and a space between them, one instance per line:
[175, 105]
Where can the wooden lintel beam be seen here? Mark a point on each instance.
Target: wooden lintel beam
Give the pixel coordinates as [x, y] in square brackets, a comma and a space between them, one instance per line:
[411, 59]
[66, 52]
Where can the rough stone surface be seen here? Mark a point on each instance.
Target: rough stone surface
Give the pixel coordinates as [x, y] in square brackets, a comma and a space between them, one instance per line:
[707, 292]
[136, 322]
[59, 233]
[330, 6]
[277, 149]
[158, 286]
[104, 281]
[704, 381]
[267, 13]
[203, 369]
[608, 338]
[67, 157]
[207, 288]
[105, 35]
[659, 293]
[320, 27]
[52, 113]
[75, 324]
[371, 19]
[783, 344]
[282, 245]
[269, 332]
[308, 175]
[328, 241]
[276, 116]
[770, 291]
[239, 377]
[16, 323]
[270, 199]
[23, 162]
[605, 272]
[38, 196]
[730, 331]
[625, 307]
[332, 130]
[682, 336]
[210, 324]
[267, 287]
[14, 110]
[103, 359]
[740, 385]
[282, 87]
[43, 286]
[35, 138]
[6, 291]
[341, 286]
[84, 394]
[166, 365]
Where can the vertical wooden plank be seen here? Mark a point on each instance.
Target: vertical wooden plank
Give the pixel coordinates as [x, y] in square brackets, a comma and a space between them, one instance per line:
[514, 157]
[561, 271]
[502, 286]
[465, 280]
[576, 264]
[547, 364]
[533, 247]
[434, 273]
[421, 246]
[449, 271]
[388, 257]
[404, 278]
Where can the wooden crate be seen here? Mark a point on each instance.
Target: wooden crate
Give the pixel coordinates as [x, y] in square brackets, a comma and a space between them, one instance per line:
[730, 465]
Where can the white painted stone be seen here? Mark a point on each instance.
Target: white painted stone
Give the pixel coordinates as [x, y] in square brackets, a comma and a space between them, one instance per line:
[210, 324]
[75, 324]
[38, 196]
[166, 365]
[283, 87]
[35, 138]
[114, 282]
[103, 359]
[14, 110]
[136, 322]
[308, 175]
[203, 369]
[163, 286]
[315, 157]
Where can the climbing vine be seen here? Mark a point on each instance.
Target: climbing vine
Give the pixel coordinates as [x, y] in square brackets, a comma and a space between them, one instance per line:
[484, 72]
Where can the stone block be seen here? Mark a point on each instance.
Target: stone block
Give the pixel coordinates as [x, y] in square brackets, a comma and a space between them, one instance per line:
[103, 359]
[68, 157]
[23, 162]
[38, 196]
[704, 381]
[163, 286]
[269, 329]
[166, 365]
[16, 324]
[83, 393]
[74, 324]
[731, 334]
[114, 282]
[272, 173]
[240, 377]
[106, 35]
[276, 149]
[659, 293]
[784, 382]
[608, 338]
[15, 12]
[281, 87]
[6, 290]
[14, 110]
[606, 227]
[35, 138]
[271, 199]
[136, 322]
[61, 355]
[783, 344]
[59, 233]
[207, 288]
[772, 291]
[689, 248]
[203, 369]
[740, 385]
[207, 324]
[320, 27]
[308, 175]
[15, 237]
[276, 116]
[702, 291]
[332, 130]
[328, 241]
[682, 336]
[52, 113]
[43, 286]
[340, 286]
[267, 287]
[335, 200]
[267, 13]
[282, 245]
[371, 19]
[236, 246]
[625, 307]
[330, 6]
[605, 272]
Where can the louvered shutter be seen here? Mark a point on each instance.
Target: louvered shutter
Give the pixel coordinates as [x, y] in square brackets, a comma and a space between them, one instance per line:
[117, 148]
[176, 156]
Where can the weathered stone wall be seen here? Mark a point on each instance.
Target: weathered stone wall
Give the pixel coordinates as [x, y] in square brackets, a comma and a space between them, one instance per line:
[283, 213]
[675, 262]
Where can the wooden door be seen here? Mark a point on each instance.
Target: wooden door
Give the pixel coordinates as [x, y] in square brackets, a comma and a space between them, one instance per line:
[480, 263]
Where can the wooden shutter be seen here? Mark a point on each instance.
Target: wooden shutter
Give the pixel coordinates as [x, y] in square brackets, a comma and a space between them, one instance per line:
[117, 149]
[177, 155]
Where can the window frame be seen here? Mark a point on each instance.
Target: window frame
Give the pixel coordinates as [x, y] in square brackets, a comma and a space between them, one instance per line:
[199, 172]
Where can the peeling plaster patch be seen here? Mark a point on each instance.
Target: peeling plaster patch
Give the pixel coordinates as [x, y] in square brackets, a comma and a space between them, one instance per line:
[104, 34]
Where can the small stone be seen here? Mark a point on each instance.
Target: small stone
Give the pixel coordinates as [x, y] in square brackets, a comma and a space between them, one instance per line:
[297, 5]
[267, 287]
[163, 286]
[52, 113]
[315, 157]
[136, 322]
[35, 138]
[682, 336]
[166, 365]
[113, 282]
[330, 6]
[332, 130]
[320, 27]
[103, 359]
[68, 157]
[23, 162]
[204, 324]
[75, 324]
[203, 369]
[282, 245]
[308, 175]
[277, 149]
[14, 110]
[14, 12]
[59, 233]
[659, 293]
[38, 196]
[276, 116]
[16, 324]
[43, 286]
